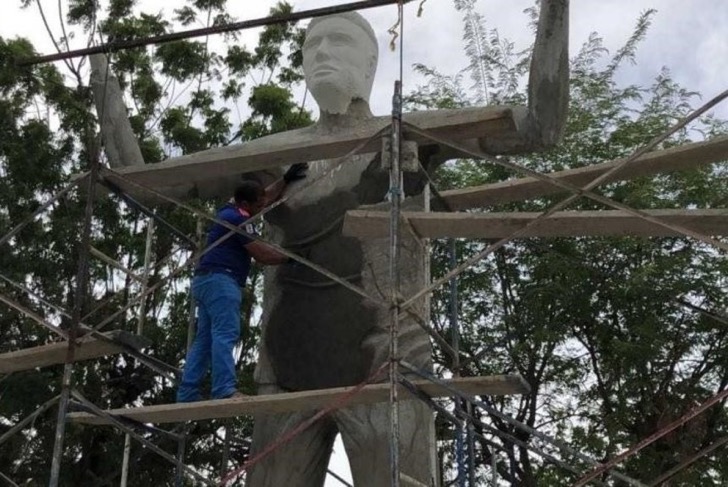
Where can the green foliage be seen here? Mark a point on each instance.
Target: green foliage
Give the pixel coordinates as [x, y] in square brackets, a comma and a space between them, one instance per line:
[614, 335]
[182, 97]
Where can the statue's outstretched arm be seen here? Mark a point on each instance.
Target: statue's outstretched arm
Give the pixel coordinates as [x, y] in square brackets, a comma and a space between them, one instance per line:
[541, 124]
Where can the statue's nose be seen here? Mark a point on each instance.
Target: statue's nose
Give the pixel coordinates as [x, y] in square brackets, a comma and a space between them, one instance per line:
[323, 52]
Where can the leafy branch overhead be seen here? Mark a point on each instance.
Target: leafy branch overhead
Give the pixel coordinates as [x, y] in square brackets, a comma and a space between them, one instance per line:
[615, 334]
[181, 97]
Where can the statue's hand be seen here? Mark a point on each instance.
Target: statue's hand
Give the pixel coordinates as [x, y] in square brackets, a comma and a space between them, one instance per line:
[295, 172]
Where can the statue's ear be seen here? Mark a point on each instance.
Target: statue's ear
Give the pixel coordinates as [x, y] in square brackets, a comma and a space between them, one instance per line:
[371, 66]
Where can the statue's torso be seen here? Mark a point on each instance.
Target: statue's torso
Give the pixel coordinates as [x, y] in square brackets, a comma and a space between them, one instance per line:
[317, 333]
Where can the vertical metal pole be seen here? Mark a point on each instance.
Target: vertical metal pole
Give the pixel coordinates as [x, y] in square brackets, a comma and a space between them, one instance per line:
[139, 330]
[465, 460]
[225, 448]
[82, 278]
[181, 445]
[125, 461]
[395, 194]
[145, 276]
[454, 310]
[395, 178]
[191, 317]
[471, 445]
[459, 448]
[455, 342]
[494, 467]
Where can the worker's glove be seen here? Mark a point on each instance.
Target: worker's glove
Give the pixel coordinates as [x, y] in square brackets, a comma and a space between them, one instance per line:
[296, 172]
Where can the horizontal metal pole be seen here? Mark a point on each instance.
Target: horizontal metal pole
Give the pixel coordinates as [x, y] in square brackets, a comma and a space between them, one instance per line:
[215, 29]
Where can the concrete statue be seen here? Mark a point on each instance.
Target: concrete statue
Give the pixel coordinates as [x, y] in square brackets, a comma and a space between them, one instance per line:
[317, 334]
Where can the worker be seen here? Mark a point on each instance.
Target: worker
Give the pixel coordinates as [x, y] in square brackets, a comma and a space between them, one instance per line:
[217, 288]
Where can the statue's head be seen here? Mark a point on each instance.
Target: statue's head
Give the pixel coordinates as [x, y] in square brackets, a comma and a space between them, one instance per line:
[339, 60]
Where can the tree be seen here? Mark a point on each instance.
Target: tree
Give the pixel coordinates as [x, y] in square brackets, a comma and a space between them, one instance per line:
[183, 97]
[611, 333]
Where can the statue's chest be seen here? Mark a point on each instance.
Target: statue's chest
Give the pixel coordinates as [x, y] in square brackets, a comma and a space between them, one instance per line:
[330, 190]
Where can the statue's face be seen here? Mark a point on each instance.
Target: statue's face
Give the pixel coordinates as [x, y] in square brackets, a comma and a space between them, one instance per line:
[339, 60]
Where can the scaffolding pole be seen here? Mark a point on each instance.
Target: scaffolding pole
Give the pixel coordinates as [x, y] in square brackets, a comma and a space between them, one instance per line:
[82, 278]
[140, 330]
[395, 196]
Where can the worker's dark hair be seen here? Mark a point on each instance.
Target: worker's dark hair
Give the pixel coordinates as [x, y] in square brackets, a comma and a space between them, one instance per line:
[248, 191]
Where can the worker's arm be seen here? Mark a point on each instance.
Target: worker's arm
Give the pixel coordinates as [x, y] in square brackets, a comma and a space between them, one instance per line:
[274, 191]
[265, 254]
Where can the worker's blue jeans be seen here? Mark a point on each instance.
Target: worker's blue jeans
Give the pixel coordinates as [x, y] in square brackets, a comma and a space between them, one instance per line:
[218, 298]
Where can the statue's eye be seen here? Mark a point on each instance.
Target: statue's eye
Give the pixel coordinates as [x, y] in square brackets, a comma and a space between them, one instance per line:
[312, 43]
[339, 39]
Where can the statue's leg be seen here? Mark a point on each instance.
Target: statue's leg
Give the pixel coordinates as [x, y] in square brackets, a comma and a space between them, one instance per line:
[365, 433]
[301, 462]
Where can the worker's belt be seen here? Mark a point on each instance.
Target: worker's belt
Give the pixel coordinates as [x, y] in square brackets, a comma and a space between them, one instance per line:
[204, 272]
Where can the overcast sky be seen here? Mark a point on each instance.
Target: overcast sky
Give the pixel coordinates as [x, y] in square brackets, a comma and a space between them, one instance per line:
[690, 37]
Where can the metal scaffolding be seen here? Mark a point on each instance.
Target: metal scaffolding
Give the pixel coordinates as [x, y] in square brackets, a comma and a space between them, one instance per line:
[463, 416]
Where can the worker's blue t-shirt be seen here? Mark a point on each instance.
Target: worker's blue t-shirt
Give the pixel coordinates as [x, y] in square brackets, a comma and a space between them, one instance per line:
[230, 256]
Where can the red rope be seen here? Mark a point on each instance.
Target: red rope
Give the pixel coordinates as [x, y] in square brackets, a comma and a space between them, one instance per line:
[338, 403]
[650, 439]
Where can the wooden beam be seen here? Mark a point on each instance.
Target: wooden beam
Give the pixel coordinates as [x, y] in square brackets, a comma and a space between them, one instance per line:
[688, 156]
[372, 224]
[205, 173]
[296, 401]
[55, 353]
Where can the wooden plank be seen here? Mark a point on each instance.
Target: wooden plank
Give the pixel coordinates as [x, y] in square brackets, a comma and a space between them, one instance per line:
[305, 400]
[208, 172]
[55, 353]
[688, 156]
[372, 224]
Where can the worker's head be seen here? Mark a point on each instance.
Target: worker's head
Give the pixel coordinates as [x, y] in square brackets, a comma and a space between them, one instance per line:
[339, 60]
[250, 196]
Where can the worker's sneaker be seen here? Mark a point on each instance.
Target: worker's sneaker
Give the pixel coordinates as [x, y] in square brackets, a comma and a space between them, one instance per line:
[236, 395]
